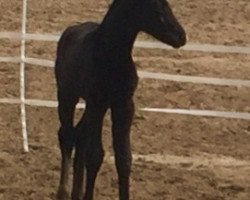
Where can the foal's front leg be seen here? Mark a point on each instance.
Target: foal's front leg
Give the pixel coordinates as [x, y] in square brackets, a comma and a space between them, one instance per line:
[89, 152]
[122, 116]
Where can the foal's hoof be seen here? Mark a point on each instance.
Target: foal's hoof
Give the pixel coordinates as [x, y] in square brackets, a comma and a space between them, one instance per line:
[62, 195]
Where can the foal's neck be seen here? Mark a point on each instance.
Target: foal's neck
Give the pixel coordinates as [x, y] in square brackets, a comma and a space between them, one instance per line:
[116, 33]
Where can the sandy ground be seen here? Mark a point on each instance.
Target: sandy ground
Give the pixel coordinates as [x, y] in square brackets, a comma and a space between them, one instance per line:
[176, 157]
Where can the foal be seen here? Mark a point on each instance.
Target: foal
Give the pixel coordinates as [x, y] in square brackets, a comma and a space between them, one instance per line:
[94, 62]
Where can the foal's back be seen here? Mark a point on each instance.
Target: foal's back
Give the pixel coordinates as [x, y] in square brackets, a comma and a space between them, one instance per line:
[73, 53]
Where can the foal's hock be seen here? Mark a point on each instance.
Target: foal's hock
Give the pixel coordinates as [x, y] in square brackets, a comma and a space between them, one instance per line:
[94, 63]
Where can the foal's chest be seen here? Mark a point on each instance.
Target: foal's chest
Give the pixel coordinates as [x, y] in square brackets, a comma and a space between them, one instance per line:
[112, 80]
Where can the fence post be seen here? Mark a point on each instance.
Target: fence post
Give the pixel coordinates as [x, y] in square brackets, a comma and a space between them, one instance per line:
[22, 79]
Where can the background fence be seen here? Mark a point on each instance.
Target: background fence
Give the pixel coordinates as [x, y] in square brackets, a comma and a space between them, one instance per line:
[22, 59]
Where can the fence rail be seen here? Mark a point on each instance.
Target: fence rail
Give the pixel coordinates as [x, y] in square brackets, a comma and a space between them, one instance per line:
[212, 48]
[193, 112]
[148, 75]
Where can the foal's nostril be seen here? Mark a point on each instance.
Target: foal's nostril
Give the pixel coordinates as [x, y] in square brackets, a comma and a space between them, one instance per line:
[180, 39]
[181, 35]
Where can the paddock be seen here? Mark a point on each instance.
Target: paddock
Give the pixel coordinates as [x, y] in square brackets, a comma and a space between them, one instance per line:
[180, 156]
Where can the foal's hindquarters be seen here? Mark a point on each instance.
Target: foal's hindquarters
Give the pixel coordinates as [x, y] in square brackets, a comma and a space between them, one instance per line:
[69, 90]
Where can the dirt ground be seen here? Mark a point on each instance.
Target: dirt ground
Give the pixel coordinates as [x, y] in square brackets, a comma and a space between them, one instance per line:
[176, 157]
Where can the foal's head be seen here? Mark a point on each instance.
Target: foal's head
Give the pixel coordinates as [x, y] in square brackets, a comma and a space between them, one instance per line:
[156, 18]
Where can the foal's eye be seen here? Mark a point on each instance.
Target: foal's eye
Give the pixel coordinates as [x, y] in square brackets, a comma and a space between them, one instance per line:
[157, 7]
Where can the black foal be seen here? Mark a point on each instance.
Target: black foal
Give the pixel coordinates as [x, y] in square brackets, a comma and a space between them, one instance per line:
[94, 62]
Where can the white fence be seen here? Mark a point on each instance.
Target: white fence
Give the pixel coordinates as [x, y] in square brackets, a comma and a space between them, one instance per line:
[23, 36]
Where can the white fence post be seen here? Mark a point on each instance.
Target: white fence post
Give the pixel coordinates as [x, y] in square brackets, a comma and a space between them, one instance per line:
[22, 79]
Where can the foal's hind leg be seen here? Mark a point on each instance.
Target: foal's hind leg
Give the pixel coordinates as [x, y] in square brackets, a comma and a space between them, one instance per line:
[66, 138]
[122, 115]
